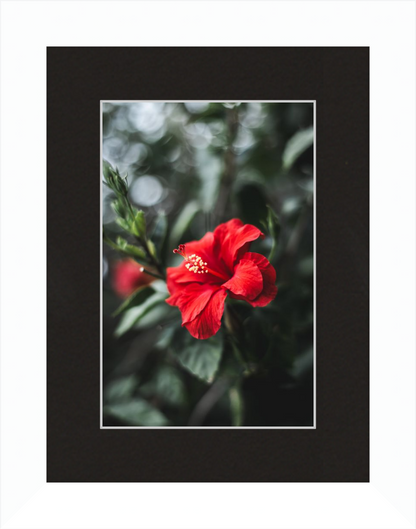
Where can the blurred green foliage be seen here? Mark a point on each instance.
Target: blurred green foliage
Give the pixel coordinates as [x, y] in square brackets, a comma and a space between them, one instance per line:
[191, 166]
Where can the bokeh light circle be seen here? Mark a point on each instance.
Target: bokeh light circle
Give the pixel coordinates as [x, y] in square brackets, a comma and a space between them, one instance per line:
[146, 191]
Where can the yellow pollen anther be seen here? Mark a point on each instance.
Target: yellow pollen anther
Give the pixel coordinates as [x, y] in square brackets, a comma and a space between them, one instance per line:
[195, 264]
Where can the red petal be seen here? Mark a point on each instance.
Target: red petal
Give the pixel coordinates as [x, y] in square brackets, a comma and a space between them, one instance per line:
[208, 322]
[204, 247]
[178, 275]
[222, 231]
[269, 278]
[233, 236]
[247, 280]
[192, 299]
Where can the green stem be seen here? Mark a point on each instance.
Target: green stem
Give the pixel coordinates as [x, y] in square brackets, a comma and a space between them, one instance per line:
[143, 269]
[235, 326]
[115, 247]
[236, 406]
[145, 246]
[154, 261]
[238, 355]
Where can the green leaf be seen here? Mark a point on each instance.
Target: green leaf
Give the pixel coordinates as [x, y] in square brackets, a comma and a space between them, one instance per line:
[123, 223]
[137, 298]
[137, 412]
[297, 144]
[130, 249]
[120, 389]
[183, 222]
[152, 249]
[139, 225]
[133, 315]
[167, 385]
[122, 246]
[273, 227]
[166, 336]
[119, 208]
[159, 315]
[303, 365]
[108, 241]
[114, 180]
[159, 285]
[200, 357]
[123, 185]
[273, 222]
[108, 171]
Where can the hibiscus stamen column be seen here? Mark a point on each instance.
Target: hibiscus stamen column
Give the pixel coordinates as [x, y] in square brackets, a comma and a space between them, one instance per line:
[195, 263]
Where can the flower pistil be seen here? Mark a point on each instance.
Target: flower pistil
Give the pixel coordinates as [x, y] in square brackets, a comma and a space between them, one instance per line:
[195, 263]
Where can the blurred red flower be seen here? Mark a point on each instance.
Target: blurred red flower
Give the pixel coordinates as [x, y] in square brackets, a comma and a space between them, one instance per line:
[127, 277]
[217, 265]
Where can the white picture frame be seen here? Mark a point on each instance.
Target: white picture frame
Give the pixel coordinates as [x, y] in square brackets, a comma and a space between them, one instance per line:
[27, 501]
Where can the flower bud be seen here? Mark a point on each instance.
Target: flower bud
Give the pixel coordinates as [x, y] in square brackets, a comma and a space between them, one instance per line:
[128, 276]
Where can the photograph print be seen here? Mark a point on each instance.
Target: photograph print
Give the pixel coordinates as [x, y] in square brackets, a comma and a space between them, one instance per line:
[208, 264]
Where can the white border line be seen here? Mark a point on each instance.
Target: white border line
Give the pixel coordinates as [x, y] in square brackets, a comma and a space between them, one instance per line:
[313, 101]
[314, 264]
[101, 263]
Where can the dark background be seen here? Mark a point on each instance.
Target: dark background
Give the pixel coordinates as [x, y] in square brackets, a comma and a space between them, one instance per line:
[337, 78]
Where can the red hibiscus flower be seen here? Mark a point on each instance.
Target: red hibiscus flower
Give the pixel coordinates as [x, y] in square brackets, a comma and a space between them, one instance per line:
[217, 265]
[128, 277]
